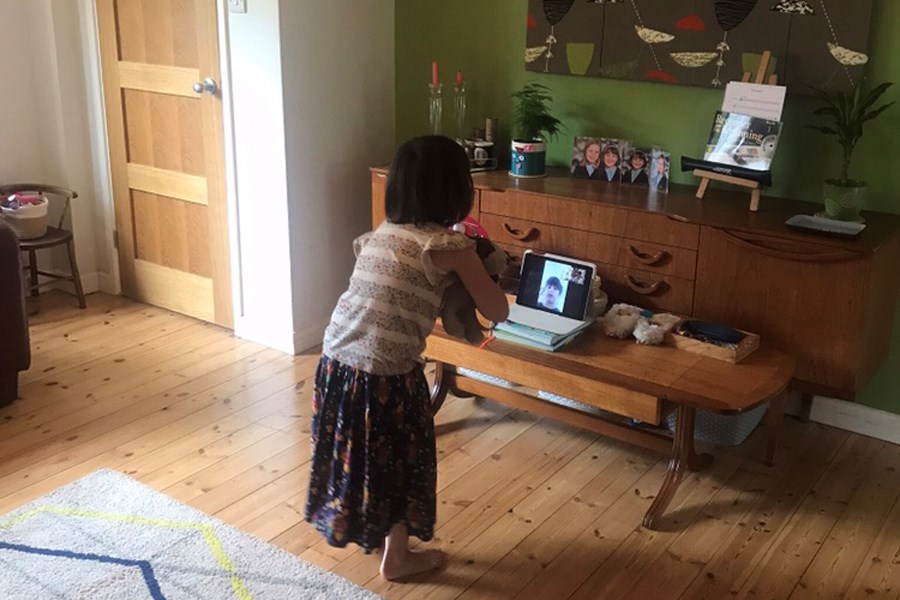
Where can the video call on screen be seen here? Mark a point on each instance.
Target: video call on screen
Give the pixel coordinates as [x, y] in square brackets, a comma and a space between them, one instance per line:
[554, 286]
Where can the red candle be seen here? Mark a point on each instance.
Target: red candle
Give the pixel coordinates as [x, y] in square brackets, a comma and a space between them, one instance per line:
[459, 79]
[434, 74]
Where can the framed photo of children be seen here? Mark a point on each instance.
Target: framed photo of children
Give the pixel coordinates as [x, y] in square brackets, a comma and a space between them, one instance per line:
[659, 170]
[636, 167]
[586, 158]
[598, 158]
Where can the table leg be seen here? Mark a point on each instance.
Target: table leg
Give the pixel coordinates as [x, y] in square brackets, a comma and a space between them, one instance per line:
[806, 402]
[774, 422]
[440, 387]
[684, 456]
[456, 391]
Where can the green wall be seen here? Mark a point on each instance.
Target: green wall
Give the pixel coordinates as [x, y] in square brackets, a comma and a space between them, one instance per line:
[486, 40]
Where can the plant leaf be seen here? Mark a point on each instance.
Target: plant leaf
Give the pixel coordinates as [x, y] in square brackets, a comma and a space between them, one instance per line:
[827, 110]
[874, 113]
[843, 107]
[823, 129]
[823, 96]
[874, 94]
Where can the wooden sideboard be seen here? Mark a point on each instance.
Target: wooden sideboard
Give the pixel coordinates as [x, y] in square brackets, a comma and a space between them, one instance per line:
[827, 301]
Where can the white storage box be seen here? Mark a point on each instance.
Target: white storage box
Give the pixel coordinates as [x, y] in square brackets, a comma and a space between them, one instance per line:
[723, 430]
[29, 221]
[482, 377]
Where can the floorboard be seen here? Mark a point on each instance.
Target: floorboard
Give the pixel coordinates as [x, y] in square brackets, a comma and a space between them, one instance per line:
[527, 508]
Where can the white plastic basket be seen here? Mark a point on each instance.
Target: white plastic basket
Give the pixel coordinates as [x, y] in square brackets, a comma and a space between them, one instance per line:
[723, 430]
[484, 378]
[27, 222]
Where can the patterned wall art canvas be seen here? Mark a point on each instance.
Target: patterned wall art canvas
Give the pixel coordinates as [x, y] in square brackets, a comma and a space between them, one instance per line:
[821, 43]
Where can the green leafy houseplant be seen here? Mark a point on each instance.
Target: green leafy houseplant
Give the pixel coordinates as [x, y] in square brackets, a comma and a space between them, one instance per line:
[848, 112]
[534, 123]
[532, 113]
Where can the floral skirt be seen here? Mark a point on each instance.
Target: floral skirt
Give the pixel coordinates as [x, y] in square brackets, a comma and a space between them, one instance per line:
[374, 463]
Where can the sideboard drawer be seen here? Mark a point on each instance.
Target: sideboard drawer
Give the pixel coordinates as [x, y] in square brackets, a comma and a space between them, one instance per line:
[585, 216]
[648, 290]
[594, 247]
[659, 258]
[661, 229]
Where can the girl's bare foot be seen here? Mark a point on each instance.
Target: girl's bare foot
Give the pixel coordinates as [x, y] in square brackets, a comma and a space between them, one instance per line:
[399, 562]
[407, 564]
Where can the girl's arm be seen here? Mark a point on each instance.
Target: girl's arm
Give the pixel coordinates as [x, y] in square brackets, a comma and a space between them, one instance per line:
[489, 298]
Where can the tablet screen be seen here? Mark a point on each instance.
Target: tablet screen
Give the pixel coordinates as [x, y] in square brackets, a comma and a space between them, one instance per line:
[553, 284]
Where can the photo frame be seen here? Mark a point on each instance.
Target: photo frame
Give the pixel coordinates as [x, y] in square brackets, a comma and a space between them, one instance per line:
[586, 153]
[612, 151]
[660, 165]
[636, 166]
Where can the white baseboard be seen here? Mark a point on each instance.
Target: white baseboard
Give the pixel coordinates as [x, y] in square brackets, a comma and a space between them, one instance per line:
[280, 339]
[858, 418]
[108, 284]
[97, 281]
[309, 338]
[90, 282]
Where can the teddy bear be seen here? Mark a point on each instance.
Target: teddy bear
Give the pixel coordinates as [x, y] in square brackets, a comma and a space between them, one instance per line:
[625, 320]
[457, 308]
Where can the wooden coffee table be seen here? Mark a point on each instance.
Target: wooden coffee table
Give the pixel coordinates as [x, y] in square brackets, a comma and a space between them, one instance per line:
[627, 379]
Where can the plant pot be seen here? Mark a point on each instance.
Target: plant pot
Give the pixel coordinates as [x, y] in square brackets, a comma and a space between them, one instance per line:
[529, 158]
[843, 199]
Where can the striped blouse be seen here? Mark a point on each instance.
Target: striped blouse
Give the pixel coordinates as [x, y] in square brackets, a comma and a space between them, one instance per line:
[380, 323]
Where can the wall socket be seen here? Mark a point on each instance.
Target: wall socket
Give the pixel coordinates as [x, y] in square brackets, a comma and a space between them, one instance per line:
[237, 6]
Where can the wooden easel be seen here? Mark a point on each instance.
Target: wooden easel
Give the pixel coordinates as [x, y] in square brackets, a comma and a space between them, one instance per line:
[707, 176]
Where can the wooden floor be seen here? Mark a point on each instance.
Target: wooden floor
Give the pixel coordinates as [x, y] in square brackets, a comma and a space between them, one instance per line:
[527, 508]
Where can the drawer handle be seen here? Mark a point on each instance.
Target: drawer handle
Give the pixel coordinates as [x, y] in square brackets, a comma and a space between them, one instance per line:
[518, 234]
[644, 289]
[758, 243]
[648, 259]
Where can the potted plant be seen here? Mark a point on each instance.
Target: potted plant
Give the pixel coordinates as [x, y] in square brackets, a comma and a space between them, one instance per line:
[533, 124]
[848, 112]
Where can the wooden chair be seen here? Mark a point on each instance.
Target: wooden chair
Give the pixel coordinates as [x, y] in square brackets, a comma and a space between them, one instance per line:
[55, 236]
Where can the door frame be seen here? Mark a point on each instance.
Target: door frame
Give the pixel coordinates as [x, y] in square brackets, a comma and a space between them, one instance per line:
[105, 202]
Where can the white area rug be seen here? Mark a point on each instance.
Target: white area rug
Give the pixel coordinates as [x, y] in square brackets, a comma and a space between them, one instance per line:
[108, 537]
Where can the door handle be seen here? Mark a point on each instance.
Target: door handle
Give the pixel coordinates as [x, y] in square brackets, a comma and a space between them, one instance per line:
[761, 244]
[208, 86]
[647, 259]
[518, 234]
[645, 289]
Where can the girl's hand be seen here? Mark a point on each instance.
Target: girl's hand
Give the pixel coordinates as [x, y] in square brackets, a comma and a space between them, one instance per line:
[489, 298]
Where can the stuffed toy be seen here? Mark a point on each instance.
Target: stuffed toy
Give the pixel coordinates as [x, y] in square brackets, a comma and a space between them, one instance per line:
[458, 309]
[624, 320]
[621, 320]
[652, 330]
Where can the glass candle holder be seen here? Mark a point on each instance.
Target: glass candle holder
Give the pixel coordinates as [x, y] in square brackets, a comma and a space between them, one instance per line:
[435, 107]
[459, 111]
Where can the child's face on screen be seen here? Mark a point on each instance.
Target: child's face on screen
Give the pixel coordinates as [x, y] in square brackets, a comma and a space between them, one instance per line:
[551, 295]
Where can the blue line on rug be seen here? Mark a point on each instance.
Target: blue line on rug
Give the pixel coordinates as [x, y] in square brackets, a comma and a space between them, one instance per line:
[144, 566]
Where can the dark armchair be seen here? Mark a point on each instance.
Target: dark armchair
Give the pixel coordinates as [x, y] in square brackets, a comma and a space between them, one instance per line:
[15, 354]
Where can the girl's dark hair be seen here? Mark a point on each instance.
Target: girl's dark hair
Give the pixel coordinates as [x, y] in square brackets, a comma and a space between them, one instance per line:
[429, 182]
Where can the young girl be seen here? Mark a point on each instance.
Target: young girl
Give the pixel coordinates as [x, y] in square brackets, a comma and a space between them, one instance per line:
[374, 474]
